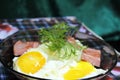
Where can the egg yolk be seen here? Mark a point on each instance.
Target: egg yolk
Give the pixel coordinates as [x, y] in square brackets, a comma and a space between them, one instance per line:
[31, 62]
[81, 70]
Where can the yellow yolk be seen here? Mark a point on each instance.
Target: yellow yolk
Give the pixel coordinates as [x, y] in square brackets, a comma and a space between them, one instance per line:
[31, 62]
[81, 70]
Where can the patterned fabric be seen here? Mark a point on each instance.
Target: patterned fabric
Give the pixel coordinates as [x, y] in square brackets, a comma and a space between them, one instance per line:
[36, 23]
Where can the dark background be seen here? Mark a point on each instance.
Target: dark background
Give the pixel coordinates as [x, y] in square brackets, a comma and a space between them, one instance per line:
[102, 16]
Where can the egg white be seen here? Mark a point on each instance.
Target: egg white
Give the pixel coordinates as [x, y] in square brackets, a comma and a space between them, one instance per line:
[97, 72]
[55, 69]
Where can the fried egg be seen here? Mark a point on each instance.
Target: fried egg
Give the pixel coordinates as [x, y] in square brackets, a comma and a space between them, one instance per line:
[82, 69]
[67, 70]
[31, 61]
[36, 62]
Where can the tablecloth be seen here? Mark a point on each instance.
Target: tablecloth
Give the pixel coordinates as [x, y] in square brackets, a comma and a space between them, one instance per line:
[36, 23]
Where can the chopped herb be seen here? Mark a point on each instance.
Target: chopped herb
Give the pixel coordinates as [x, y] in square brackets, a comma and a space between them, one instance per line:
[56, 36]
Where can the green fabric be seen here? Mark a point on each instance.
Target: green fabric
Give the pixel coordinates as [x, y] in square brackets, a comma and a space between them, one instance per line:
[95, 14]
[98, 15]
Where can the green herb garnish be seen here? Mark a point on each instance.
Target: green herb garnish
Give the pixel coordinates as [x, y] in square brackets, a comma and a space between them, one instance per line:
[54, 35]
[55, 38]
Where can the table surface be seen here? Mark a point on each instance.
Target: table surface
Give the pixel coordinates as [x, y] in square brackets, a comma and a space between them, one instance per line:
[36, 23]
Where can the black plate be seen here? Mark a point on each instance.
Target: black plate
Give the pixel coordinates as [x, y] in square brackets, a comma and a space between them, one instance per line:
[108, 58]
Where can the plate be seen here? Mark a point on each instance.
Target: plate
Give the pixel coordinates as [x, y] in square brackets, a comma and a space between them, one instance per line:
[108, 55]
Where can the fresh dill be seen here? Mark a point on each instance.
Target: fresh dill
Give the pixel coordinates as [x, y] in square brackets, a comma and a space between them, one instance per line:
[56, 36]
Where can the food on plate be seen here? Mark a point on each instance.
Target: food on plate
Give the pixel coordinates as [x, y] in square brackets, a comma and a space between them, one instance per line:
[57, 56]
[92, 56]
[31, 61]
[20, 47]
